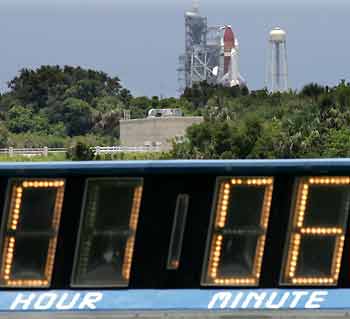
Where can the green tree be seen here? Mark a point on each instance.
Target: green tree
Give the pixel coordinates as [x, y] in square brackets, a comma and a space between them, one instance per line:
[77, 116]
[80, 152]
[107, 124]
[20, 119]
[47, 84]
[337, 143]
[4, 136]
[313, 90]
[108, 104]
[139, 106]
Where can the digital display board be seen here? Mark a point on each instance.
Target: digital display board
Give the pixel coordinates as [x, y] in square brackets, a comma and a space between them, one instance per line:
[148, 226]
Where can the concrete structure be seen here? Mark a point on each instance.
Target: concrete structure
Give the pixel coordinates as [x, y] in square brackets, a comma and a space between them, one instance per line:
[277, 77]
[157, 131]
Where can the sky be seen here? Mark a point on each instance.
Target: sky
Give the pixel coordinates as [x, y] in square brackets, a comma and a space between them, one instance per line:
[140, 40]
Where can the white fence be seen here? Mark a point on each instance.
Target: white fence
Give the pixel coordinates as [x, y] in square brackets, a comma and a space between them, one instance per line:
[45, 151]
[42, 151]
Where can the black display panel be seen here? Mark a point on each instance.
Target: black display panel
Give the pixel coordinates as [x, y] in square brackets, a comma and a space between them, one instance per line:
[193, 230]
[317, 229]
[30, 231]
[107, 232]
[238, 231]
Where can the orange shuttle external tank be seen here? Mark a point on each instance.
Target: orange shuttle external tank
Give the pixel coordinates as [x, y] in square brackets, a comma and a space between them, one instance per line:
[229, 44]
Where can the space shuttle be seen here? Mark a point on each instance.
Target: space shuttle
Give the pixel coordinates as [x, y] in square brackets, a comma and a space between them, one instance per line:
[229, 60]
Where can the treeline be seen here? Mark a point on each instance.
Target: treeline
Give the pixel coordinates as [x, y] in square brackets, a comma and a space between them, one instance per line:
[314, 122]
[64, 106]
[56, 106]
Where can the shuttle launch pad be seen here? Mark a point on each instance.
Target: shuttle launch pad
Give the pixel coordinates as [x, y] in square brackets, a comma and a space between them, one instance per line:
[211, 53]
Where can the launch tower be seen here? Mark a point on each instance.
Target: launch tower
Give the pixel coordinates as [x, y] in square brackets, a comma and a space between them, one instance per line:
[211, 53]
[202, 50]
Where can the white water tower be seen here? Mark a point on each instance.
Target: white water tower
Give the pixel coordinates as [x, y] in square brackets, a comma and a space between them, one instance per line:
[277, 68]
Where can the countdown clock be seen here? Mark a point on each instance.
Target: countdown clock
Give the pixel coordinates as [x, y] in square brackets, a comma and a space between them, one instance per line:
[240, 234]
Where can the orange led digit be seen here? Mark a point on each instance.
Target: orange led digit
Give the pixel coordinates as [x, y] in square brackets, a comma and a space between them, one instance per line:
[34, 210]
[317, 224]
[107, 232]
[239, 227]
[129, 249]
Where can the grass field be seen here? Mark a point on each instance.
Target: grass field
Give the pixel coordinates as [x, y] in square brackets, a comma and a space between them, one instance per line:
[37, 158]
[104, 157]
